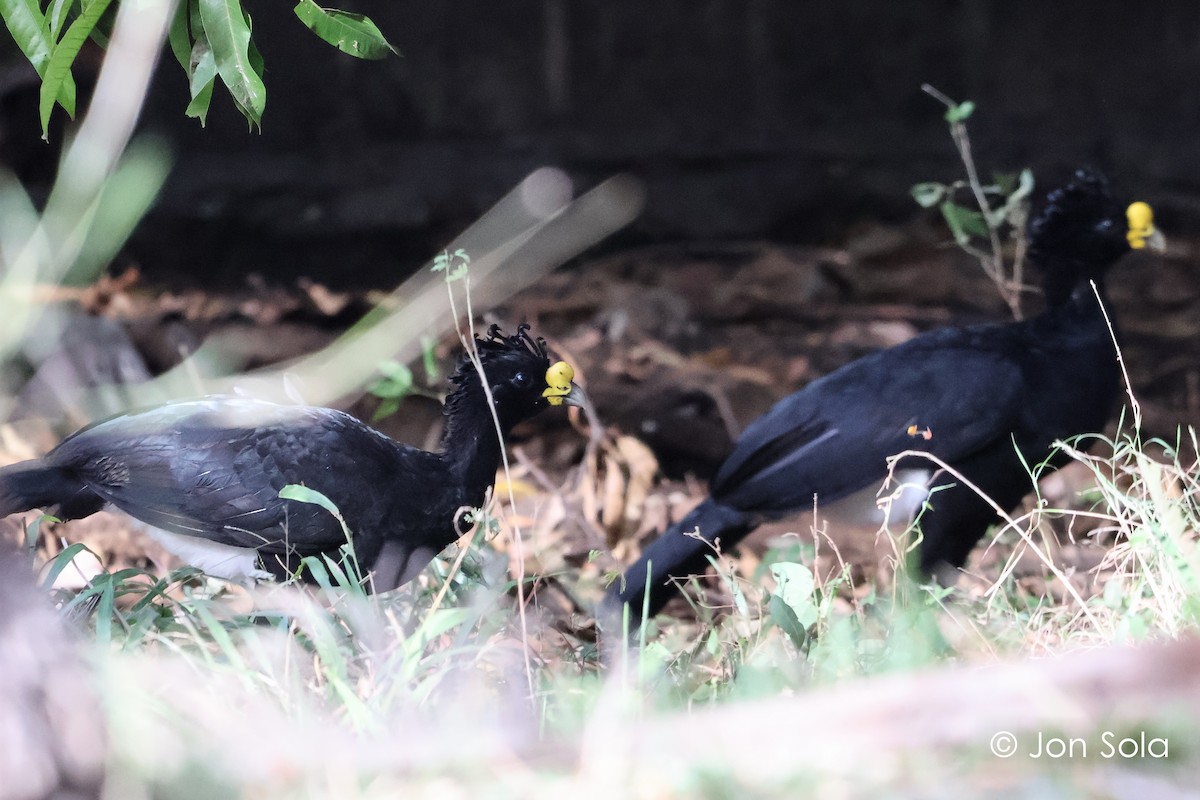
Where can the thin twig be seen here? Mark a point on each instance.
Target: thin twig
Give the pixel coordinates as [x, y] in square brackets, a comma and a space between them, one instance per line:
[518, 539]
[993, 264]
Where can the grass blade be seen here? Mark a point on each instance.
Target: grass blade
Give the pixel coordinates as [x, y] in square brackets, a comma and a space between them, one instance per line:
[61, 562]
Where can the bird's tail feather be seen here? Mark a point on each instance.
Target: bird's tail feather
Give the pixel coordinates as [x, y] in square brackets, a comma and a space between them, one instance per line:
[35, 484]
[647, 586]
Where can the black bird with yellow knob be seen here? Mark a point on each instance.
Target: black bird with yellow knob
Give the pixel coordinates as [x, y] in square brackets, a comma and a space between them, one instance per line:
[205, 475]
[989, 400]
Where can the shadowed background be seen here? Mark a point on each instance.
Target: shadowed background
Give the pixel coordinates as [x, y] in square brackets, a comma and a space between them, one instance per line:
[745, 119]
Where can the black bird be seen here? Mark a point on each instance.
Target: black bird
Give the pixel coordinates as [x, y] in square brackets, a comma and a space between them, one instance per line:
[205, 474]
[974, 396]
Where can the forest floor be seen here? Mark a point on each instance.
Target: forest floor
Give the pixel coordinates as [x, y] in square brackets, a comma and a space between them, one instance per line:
[679, 347]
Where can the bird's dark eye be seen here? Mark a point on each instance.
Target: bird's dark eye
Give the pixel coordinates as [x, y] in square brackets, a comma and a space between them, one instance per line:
[521, 380]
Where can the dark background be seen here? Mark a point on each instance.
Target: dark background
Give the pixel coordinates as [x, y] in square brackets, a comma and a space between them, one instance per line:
[746, 119]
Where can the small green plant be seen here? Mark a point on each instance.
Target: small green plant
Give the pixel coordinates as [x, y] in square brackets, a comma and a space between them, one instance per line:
[454, 266]
[1000, 210]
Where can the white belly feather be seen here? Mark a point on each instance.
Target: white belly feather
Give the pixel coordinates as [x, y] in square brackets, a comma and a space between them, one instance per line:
[237, 564]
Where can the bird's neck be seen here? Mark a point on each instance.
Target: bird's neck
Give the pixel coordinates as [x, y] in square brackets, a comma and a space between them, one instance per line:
[470, 447]
[1082, 309]
[1087, 297]
[1068, 280]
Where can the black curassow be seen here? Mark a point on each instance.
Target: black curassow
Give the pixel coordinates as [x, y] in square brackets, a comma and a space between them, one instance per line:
[972, 396]
[205, 474]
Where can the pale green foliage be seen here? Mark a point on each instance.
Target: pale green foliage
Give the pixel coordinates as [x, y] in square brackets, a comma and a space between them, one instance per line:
[396, 381]
[454, 266]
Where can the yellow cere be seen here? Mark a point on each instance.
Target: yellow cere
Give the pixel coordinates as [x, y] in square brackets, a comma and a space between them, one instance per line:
[558, 379]
[1141, 224]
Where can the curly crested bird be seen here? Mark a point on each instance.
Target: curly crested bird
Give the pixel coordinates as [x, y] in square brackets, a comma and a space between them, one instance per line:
[987, 399]
[205, 475]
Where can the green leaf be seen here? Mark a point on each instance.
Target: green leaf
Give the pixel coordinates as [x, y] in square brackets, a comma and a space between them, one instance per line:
[397, 381]
[455, 265]
[24, 21]
[58, 69]
[56, 17]
[1015, 210]
[960, 112]
[343, 575]
[964, 223]
[793, 604]
[1024, 185]
[228, 31]
[785, 618]
[256, 64]
[429, 359]
[180, 40]
[1013, 185]
[316, 569]
[195, 21]
[33, 531]
[303, 494]
[202, 67]
[441, 621]
[354, 34]
[928, 195]
[256, 59]
[198, 108]
[1005, 182]
[220, 636]
[100, 36]
[386, 409]
[796, 588]
[104, 608]
[61, 562]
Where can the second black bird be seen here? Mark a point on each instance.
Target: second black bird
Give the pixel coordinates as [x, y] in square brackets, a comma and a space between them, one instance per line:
[987, 399]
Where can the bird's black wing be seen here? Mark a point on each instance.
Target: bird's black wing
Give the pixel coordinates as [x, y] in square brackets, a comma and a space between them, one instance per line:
[949, 393]
[214, 468]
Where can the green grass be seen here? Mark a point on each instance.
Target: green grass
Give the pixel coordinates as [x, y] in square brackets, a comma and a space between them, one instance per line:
[341, 693]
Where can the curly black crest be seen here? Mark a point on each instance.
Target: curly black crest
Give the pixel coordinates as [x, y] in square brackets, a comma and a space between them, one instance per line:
[1078, 233]
[497, 343]
[497, 351]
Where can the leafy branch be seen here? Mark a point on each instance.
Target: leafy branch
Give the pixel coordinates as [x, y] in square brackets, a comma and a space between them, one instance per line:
[1001, 209]
[211, 40]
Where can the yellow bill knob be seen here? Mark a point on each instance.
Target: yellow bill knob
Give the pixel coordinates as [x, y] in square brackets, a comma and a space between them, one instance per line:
[558, 382]
[1141, 227]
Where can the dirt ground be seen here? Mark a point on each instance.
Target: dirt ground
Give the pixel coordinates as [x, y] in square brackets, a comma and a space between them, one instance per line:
[679, 347]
